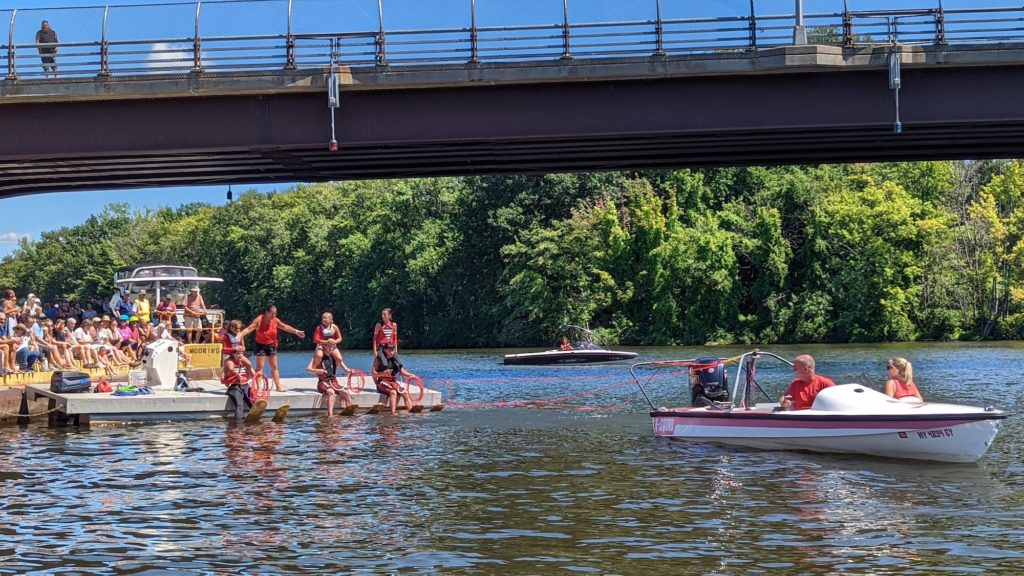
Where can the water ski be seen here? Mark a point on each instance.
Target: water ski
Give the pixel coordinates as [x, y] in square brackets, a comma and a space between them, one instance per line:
[437, 407]
[256, 412]
[376, 409]
[350, 410]
[416, 409]
[281, 413]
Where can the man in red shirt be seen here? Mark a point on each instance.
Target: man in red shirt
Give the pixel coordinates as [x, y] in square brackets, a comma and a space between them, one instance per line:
[802, 391]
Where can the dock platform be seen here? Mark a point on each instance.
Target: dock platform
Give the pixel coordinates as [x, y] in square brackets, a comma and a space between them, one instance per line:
[213, 402]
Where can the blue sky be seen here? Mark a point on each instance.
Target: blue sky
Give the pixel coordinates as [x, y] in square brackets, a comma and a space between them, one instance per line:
[32, 215]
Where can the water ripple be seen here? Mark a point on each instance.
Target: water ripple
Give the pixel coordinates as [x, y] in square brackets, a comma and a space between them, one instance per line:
[510, 490]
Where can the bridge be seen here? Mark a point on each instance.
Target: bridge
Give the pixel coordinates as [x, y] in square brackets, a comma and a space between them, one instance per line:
[211, 102]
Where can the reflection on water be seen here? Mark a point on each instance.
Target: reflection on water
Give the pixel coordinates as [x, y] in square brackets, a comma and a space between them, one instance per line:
[515, 490]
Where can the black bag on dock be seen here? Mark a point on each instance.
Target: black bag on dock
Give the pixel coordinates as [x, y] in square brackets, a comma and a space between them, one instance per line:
[68, 382]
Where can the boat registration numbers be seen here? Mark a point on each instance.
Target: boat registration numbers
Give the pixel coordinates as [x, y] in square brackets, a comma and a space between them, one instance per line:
[943, 433]
[664, 426]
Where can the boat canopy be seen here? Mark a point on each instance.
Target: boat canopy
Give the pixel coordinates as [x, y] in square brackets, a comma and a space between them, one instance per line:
[161, 280]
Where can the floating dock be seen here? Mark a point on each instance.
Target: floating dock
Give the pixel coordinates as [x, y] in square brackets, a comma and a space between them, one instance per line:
[212, 402]
[12, 391]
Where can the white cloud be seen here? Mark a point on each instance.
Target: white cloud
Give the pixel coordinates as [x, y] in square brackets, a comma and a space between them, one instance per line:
[165, 55]
[13, 237]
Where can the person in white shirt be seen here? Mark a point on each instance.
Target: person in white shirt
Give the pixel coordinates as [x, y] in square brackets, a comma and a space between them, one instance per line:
[85, 339]
[105, 337]
[84, 352]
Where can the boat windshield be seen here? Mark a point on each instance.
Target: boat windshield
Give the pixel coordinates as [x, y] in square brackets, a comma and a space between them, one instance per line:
[583, 339]
[742, 392]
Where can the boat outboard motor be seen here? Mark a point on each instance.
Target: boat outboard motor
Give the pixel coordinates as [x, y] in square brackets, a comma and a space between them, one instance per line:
[160, 359]
[709, 382]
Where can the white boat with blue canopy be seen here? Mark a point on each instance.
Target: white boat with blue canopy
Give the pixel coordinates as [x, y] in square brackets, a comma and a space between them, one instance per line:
[175, 280]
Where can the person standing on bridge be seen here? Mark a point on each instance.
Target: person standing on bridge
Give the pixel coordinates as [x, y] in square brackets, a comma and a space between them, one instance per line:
[46, 42]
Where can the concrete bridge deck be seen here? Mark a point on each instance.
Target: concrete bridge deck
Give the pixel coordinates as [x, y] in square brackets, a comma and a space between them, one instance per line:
[797, 104]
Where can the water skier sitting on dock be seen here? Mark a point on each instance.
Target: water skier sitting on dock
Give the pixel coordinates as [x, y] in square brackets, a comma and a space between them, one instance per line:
[327, 382]
[385, 374]
[233, 349]
[327, 337]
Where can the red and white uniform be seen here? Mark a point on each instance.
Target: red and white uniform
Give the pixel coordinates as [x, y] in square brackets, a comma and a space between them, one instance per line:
[386, 334]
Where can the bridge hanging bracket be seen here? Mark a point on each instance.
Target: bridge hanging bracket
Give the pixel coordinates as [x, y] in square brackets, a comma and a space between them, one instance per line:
[892, 24]
[894, 85]
[333, 102]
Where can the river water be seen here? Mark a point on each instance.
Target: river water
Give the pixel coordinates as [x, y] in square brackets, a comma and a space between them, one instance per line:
[574, 483]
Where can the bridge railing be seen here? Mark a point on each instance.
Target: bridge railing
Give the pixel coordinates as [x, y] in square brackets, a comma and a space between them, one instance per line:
[267, 35]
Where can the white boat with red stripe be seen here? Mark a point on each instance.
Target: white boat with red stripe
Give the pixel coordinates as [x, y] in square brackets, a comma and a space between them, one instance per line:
[847, 418]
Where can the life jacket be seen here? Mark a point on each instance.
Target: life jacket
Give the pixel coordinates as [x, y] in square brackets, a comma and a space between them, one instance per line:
[266, 332]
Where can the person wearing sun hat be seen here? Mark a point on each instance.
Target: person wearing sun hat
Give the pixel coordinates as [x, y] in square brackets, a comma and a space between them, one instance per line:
[125, 343]
[195, 311]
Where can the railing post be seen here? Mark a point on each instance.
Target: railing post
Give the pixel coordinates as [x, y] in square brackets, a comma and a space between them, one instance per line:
[753, 27]
[289, 42]
[474, 49]
[382, 58]
[799, 32]
[197, 64]
[847, 26]
[940, 25]
[659, 30]
[566, 51]
[12, 68]
[104, 48]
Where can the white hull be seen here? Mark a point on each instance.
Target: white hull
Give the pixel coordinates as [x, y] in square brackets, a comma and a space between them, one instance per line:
[961, 443]
[847, 420]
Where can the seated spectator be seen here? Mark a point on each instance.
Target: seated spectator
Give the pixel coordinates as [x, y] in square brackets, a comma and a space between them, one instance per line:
[27, 354]
[128, 338]
[8, 346]
[83, 350]
[108, 337]
[53, 358]
[89, 313]
[145, 332]
[86, 335]
[11, 311]
[35, 332]
[50, 311]
[32, 306]
[565, 345]
[62, 339]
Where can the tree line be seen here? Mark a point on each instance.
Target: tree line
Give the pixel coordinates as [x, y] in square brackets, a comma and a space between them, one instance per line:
[837, 253]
